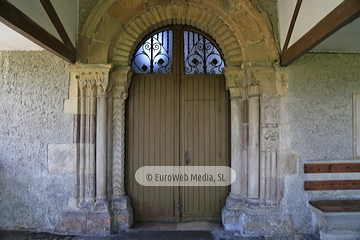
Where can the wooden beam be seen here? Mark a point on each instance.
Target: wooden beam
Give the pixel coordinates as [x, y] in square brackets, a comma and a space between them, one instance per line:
[19, 22]
[332, 185]
[292, 24]
[345, 13]
[50, 10]
[331, 167]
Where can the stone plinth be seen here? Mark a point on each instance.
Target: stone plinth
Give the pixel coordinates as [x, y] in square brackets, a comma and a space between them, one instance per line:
[86, 222]
[123, 214]
[337, 225]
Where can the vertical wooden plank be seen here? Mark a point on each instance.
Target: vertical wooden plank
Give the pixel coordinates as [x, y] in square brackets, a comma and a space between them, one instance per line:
[207, 157]
[157, 139]
[153, 205]
[135, 196]
[224, 137]
[212, 118]
[201, 144]
[170, 133]
[191, 141]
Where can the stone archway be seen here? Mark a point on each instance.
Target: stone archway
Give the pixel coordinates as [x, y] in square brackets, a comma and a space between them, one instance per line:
[110, 35]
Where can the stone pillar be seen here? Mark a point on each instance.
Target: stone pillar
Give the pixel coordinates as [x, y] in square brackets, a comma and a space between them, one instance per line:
[123, 213]
[101, 145]
[234, 202]
[88, 209]
[254, 143]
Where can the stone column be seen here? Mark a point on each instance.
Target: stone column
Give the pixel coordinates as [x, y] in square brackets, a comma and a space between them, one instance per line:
[88, 210]
[123, 213]
[101, 143]
[254, 143]
[234, 202]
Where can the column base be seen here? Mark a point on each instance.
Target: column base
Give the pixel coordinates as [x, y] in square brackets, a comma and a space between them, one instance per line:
[231, 213]
[266, 224]
[72, 221]
[123, 214]
[82, 222]
[98, 223]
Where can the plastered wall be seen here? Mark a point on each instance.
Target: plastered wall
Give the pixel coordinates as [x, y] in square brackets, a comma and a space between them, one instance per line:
[320, 105]
[319, 117]
[33, 85]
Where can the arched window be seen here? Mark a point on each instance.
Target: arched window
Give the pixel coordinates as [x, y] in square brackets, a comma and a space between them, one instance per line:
[155, 54]
[200, 55]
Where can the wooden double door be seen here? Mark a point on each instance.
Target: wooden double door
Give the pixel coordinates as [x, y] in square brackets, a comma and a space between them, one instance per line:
[176, 120]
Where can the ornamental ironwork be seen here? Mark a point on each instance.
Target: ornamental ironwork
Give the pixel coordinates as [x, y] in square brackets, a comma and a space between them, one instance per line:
[201, 56]
[155, 55]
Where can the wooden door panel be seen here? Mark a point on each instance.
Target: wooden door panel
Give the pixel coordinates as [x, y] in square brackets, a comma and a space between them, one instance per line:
[150, 142]
[205, 122]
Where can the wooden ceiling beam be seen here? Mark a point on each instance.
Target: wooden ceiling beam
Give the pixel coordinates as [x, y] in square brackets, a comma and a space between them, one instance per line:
[51, 12]
[19, 22]
[292, 24]
[345, 13]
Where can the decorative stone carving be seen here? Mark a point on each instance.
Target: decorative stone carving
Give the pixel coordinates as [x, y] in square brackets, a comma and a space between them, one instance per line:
[270, 112]
[270, 139]
[234, 77]
[90, 83]
[120, 82]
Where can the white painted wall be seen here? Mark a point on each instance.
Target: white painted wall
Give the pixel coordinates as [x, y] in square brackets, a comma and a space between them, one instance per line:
[311, 12]
[66, 10]
[11, 40]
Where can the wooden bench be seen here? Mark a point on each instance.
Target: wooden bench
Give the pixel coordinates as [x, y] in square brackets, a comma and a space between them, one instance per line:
[337, 219]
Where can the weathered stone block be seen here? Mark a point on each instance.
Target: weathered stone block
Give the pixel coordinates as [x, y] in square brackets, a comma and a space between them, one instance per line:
[123, 214]
[62, 158]
[73, 222]
[98, 52]
[266, 224]
[98, 223]
[230, 219]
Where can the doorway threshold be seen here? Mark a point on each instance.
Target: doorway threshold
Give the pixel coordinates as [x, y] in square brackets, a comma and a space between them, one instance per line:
[177, 226]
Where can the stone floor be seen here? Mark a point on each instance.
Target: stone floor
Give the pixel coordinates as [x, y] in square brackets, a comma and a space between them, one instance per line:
[153, 230]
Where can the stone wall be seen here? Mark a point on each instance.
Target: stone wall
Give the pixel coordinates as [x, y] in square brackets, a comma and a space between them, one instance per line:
[33, 85]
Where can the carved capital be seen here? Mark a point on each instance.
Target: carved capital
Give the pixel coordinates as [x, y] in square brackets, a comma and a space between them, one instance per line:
[234, 77]
[120, 82]
[235, 81]
[254, 91]
[91, 78]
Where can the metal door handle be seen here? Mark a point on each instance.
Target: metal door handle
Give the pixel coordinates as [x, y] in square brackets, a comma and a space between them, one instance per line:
[186, 157]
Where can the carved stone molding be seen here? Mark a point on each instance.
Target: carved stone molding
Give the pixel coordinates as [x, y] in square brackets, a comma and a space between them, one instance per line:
[270, 111]
[234, 77]
[86, 80]
[254, 90]
[120, 82]
[270, 139]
